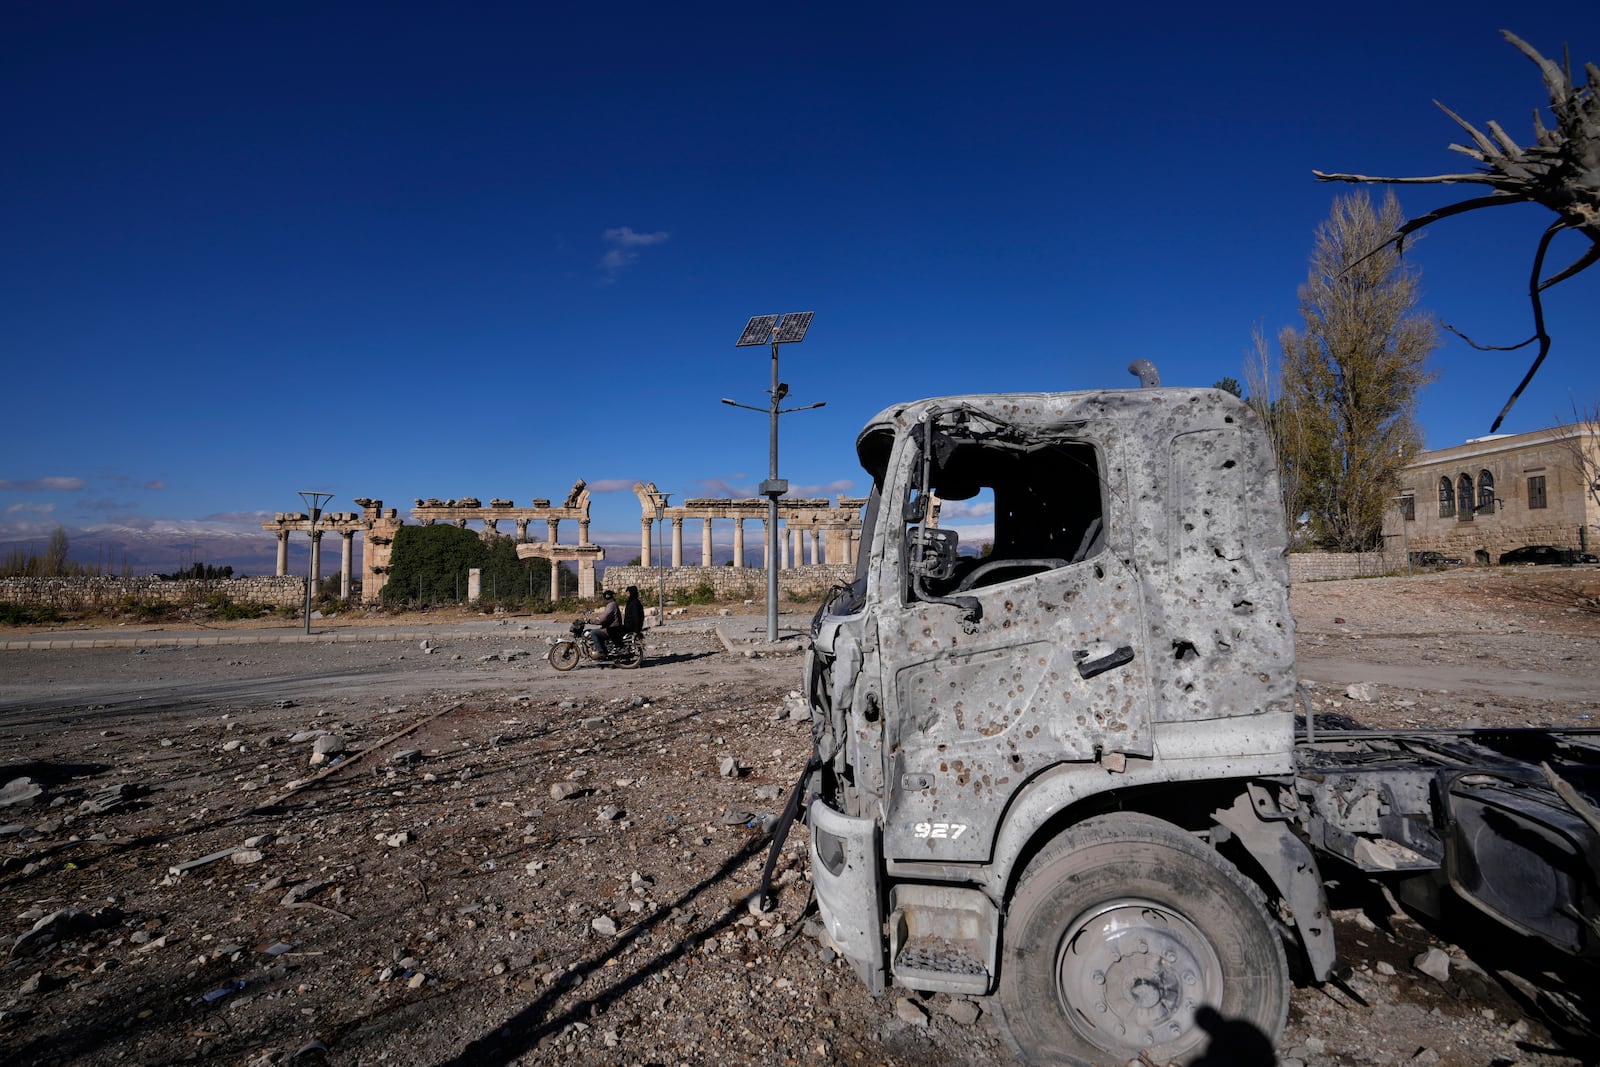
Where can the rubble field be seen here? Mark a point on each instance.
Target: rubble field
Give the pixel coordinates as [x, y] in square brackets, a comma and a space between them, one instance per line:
[444, 852]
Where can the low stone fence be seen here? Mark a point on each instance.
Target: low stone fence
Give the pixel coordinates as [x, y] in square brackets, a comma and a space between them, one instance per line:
[731, 583]
[1325, 566]
[94, 594]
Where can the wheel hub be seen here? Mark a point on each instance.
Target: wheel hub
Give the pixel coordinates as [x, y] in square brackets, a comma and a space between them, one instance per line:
[1131, 974]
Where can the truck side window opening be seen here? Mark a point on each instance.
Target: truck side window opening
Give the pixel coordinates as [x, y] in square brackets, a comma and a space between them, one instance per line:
[1048, 508]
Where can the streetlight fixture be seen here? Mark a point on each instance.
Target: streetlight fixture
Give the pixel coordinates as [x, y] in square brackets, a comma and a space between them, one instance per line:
[775, 330]
[314, 502]
[661, 574]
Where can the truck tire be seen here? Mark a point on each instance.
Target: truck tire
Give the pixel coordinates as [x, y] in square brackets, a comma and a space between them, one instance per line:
[1120, 930]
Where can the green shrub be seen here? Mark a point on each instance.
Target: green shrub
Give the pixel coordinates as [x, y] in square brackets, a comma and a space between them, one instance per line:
[18, 615]
[704, 593]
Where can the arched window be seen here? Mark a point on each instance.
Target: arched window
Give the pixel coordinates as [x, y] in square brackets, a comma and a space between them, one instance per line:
[1486, 492]
[1447, 499]
[1464, 497]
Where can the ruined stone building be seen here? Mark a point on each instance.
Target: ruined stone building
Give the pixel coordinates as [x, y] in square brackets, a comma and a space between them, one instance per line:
[1492, 494]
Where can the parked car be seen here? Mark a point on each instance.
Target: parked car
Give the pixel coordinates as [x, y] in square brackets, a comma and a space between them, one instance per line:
[1544, 554]
[1433, 559]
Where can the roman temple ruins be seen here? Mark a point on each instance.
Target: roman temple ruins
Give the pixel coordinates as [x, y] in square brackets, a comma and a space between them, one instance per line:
[815, 535]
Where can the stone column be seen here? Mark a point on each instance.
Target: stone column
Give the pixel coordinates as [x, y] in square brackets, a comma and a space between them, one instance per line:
[705, 545]
[677, 542]
[645, 526]
[769, 544]
[586, 577]
[555, 581]
[346, 561]
[738, 543]
[783, 545]
[583, 531]
[816, 545]
[283, 553]
[474, 585]
[554, 531]
[522, 529]
[798, 537]
[492, 525]
[316, 556]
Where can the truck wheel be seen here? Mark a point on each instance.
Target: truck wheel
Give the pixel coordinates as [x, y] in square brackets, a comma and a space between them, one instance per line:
[563, 656]
[1120, 930]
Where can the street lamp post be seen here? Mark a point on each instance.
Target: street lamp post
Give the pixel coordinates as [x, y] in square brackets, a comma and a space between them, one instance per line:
[775, 330]
[314, 502]
[661, 574]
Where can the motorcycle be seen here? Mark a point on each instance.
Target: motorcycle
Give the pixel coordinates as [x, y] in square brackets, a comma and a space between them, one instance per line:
[565, 652]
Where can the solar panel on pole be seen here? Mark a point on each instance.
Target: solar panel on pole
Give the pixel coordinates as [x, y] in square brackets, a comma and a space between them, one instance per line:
[758, 331]
[793, 327]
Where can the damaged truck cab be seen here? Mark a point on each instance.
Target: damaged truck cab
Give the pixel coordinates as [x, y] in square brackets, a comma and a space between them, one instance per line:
[1042, 764]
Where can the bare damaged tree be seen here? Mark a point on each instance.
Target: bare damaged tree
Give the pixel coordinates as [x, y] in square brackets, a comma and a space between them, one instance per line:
[1561, 171]
[1285, 429]
[1350, 381]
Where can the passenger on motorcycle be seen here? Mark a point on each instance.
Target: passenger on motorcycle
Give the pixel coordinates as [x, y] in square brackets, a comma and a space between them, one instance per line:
[633, 612]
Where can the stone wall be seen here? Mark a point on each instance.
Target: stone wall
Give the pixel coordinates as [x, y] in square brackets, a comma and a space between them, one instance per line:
[91, 594]
[1325, 566]
[731, 583]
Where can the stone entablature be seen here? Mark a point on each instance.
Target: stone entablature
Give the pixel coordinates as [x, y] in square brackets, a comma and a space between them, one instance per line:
[814, 531]
[1534, 494]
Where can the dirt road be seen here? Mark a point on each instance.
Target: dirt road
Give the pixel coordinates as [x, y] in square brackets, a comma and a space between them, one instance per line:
[490, 862]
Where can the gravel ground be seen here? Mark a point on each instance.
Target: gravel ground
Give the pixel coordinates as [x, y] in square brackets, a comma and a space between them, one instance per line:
[506, 864]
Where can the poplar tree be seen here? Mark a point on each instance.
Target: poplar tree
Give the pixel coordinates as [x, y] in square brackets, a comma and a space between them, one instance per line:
[1353, 374]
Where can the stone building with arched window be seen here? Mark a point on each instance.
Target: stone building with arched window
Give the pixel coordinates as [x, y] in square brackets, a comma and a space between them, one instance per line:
[1476, 500]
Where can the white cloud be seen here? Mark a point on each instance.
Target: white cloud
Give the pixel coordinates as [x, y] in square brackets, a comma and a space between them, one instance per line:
[624, 244]
[65, 484]
[625, 237]
[30, 509]
[965, 509]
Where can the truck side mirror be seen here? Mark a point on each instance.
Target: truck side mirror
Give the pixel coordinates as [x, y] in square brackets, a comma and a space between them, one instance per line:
[931, 552]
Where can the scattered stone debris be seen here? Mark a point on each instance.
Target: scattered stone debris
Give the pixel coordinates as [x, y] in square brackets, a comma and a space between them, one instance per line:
[61, 924]
[1435, 963]
[21, 792]
[186, 867]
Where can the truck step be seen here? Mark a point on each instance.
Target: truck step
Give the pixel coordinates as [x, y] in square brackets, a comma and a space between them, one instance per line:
[937, 963]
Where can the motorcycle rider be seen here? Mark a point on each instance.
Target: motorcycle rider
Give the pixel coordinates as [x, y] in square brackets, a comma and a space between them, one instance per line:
[609, 625]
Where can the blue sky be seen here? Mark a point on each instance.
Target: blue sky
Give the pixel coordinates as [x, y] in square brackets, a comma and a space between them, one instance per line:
[415, 250]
